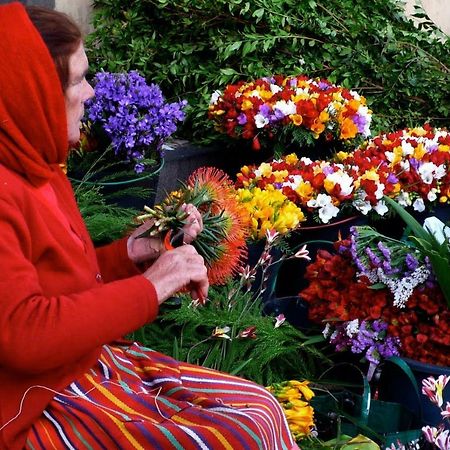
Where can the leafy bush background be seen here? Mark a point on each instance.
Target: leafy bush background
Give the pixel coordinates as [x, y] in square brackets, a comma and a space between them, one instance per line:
[192, 48]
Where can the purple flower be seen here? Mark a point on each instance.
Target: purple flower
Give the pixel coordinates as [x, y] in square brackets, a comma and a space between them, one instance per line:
[134, 115]
[242, 119]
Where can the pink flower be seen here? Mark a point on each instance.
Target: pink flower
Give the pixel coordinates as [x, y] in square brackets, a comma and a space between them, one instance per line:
[430, 433]
[248, 333]
[443, 440]
[303, 253]
[279, 320]
[433, 388]
[446, 412]
[271, 235]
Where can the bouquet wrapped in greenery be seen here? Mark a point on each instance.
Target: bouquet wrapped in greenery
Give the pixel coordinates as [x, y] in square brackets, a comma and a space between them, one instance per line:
[225, 222]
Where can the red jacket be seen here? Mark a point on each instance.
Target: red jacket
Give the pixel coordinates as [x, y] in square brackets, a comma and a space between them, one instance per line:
[55, 309]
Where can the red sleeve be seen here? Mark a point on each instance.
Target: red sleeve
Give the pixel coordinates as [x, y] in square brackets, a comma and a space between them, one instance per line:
[114, 262]
[39, 332]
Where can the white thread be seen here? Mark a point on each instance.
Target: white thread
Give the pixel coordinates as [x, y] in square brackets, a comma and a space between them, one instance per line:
[22, 401]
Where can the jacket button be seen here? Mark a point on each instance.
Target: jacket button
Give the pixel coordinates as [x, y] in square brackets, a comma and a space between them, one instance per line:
[99, 278]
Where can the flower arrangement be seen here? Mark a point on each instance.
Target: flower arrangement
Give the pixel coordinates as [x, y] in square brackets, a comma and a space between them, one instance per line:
[378, 298]
[222, 241]
[301, 107]
[133, 116]
[409, 165]
[324, 190]
[294, 397]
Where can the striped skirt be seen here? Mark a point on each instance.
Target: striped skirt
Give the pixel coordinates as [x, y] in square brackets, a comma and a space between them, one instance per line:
[136, 398]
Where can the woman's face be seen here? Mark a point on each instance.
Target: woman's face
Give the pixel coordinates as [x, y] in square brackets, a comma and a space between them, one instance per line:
[77, 92]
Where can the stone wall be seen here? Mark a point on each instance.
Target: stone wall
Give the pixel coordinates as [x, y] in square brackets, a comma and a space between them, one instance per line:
[438, 11]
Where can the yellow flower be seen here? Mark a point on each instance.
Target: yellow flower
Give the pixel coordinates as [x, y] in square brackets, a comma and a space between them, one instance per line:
[305, 190]
[291, 159]
[280, 175]
[419, 151]
[247, 104]
[297, 119]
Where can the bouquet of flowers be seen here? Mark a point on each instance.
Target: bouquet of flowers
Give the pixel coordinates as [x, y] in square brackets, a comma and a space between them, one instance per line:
[411, 166]
[132, 117]
[225, 223]
[379, 297]
[285, 109]
[324, 190]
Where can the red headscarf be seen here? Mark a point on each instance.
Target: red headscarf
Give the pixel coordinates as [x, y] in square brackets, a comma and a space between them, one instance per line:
[33, 128]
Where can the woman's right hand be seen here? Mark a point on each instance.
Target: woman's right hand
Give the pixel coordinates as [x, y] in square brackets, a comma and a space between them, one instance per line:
[176, 269]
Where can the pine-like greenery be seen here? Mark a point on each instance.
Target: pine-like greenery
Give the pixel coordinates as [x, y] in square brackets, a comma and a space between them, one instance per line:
[275, 354]
[105, 222]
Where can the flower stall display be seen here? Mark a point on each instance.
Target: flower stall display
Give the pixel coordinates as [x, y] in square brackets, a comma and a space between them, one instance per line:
[222, 241]
[285, 109]
[378, 297]
[324, 190]
[128, 121]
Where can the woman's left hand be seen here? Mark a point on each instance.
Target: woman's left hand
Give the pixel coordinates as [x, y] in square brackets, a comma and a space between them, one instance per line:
[149, 248]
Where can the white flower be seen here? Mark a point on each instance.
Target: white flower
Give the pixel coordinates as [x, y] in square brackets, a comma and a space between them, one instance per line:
[261, 121]
[326, 208]
[286, 107]
[352, 328]
[326, 331]
[407, 148]
[429, 171]
[344, 180]
[381, 208]
[437, 228]
[431, 196]
[214, 97]
[419, 205]
[404, 199]
[379, 193]
[405, 165]
[274, 88]
[293, 182]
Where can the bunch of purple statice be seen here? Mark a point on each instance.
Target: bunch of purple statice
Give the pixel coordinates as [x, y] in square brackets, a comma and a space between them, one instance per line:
[368, 338]
[388, 262]
[134, 116]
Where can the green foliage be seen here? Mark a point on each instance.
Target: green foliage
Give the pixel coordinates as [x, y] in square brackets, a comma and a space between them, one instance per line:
[275, 354]
[193, 48]
[105, 222]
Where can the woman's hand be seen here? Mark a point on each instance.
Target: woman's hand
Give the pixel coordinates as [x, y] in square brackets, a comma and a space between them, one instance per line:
[176, 269]
[194, 223]
[145, 249]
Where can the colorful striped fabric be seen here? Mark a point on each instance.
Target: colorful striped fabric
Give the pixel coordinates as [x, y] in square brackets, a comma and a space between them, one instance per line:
[135, 398]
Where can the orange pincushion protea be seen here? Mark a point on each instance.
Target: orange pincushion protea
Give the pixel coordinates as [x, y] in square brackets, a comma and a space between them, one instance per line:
[231, 249]
[225, 222]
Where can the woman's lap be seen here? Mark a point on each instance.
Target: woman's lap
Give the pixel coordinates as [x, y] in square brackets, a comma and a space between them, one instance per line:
[137, 398]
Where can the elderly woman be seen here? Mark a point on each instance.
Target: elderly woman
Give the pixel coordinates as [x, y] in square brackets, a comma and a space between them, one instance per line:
[66, 378]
